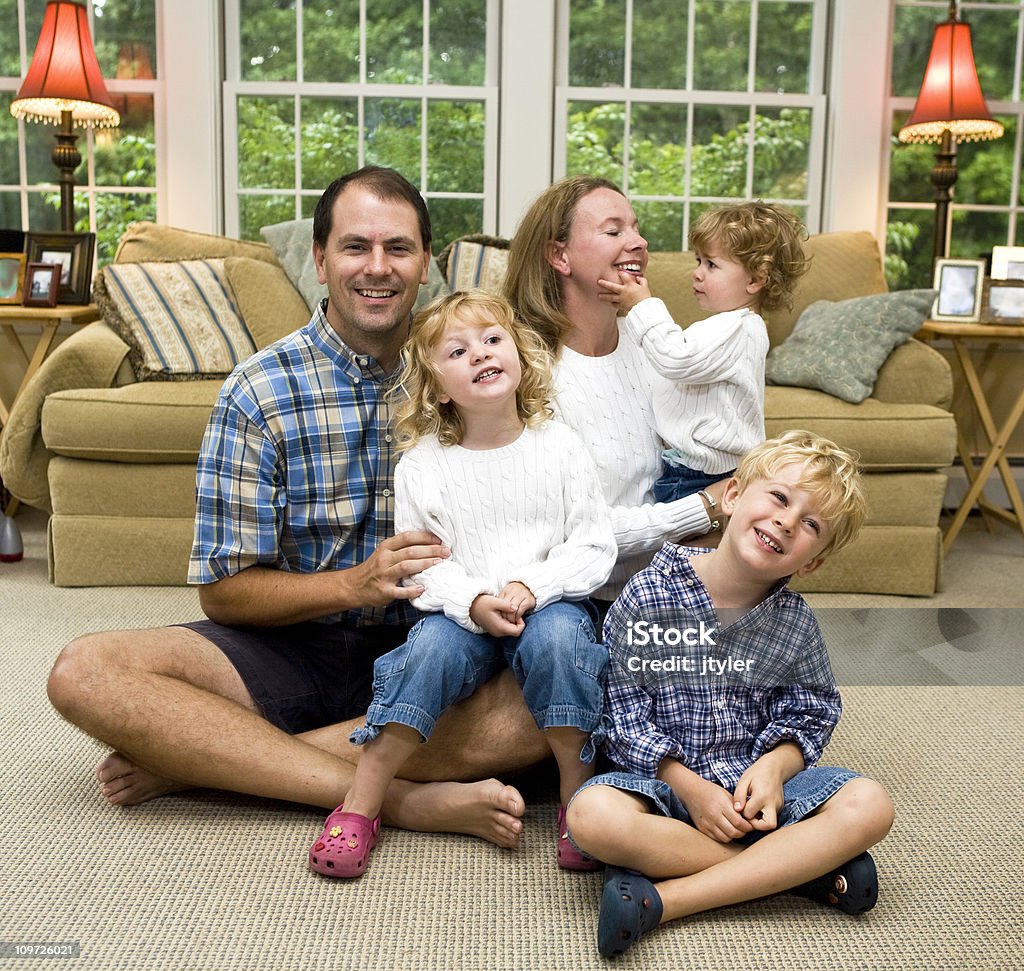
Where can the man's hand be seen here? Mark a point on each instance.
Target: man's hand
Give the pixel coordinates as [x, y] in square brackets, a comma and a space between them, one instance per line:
[403, 555]
[626, 293]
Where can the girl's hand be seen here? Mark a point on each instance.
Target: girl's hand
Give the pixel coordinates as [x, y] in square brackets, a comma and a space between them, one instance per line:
[520, 595]
[492, 614]
[712, 810]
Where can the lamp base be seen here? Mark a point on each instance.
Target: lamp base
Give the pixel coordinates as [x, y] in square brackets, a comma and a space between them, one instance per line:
[943, 179]
[67, 158]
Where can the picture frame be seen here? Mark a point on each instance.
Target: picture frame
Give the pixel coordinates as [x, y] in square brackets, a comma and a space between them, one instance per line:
[1004, 301]
[12, 277]
[959, 284]
[74, 253]
[1008, 262]
[42, 284]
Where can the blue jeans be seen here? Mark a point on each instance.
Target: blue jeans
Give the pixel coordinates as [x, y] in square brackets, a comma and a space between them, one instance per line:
[677, 481]
[556, 660]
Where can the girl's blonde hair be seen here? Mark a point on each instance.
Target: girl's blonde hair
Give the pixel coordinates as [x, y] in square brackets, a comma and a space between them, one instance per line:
[419, 383]
[830, 474]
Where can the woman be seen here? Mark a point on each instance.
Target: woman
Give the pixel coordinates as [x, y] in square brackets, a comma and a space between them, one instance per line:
[577, 232]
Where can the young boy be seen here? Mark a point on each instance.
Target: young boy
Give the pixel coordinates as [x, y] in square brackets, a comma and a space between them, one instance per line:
[719, 702]
[709, 402]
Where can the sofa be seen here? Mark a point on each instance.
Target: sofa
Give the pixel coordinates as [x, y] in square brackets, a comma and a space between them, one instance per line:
[112, 457]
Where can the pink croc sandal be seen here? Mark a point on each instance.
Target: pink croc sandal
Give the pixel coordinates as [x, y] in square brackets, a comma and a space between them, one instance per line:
[570, 858]
[343, 849]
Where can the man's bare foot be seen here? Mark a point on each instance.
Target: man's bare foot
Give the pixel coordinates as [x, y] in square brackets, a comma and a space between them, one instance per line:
[122, 783]
[488, 809]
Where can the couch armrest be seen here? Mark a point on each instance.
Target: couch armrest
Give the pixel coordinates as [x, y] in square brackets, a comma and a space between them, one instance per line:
[89, 358]
[915, 373]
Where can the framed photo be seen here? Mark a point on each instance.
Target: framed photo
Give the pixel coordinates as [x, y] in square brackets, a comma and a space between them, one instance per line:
[1004, 301]
[73, 252]
[1008, 262]
[12, 277]
[42, 284]
[959, 284]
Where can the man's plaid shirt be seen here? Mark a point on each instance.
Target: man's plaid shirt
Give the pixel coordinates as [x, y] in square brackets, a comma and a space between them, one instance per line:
[296, 470]
[713, 721]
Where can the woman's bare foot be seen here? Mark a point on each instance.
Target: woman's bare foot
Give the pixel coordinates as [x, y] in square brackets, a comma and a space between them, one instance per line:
[488, 809]
[122, 783]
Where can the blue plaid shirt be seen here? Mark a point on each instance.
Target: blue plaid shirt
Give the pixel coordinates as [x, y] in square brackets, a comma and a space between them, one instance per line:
[296, 470]
[720, 702]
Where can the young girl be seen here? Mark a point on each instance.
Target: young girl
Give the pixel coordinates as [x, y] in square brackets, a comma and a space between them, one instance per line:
[517, 500]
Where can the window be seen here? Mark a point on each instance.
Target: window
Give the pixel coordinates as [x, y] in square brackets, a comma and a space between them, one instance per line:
[117, 181]
[321, 87]
[987, 210]
[691, 103]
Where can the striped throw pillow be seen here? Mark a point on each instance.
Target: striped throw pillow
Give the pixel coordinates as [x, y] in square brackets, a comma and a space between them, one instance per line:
[178, 318]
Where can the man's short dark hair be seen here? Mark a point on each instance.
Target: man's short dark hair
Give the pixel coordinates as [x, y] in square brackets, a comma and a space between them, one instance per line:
[386, 184]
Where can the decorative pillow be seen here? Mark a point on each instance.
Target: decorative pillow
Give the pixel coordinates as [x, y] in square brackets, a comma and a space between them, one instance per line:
[178, 318]
[839, 347]
[292, 243]
[270, 306]
[475, 261]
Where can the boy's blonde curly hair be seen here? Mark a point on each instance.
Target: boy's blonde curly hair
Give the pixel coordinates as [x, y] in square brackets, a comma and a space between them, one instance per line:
[830, 474]
[418, 388]
[765, 239]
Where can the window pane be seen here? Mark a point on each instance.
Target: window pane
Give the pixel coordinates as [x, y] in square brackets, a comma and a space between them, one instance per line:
[458, 42]
[994, 39]
[394, 41]
[782, 149]
[39, 144]
[267, 41]
[721, 45]
[127, 155]
[784, 33]
[974, 233]
[266, 143]
[254, 212]
[124, 35]
[113, 214]
[659, 43]
[597, 42]
[661, 224]
[455, 146]
[8, 142]
[10, 210]
[985, 169]
[10, 58]
[908, 261]
[719, 154]
[330, 140]
[594, 140]
[44, 210]
[452, 218]
[657, 149]
[330, 40]
[911, 44]
[393, 135]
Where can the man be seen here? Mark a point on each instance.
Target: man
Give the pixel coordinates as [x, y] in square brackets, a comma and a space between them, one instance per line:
[299, 574]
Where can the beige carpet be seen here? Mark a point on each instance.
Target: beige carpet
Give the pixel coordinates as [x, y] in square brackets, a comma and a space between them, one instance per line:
[214, 881]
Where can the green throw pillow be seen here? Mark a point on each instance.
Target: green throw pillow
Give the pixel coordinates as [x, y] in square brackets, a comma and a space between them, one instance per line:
[839, 347]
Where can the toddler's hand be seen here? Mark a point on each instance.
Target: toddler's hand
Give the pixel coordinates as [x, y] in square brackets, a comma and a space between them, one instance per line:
[520, 595]
[626, 293]
[493, 613]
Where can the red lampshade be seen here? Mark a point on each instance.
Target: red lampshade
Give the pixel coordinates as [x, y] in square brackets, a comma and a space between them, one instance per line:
[64, 74]
[950, 96]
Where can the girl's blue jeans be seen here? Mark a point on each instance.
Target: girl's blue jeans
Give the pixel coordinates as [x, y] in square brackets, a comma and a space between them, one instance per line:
[556, 660]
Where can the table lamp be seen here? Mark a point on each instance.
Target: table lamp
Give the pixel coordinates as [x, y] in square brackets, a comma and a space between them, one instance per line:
[64, 86]
[950, 108]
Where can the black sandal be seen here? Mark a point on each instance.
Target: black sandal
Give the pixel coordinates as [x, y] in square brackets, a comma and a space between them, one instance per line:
[630, 906]
[851, 888]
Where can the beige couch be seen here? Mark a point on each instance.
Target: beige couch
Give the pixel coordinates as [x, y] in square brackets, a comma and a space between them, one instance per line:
[113, 458]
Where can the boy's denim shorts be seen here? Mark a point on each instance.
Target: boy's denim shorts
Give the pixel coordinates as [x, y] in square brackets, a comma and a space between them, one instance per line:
[805, 792]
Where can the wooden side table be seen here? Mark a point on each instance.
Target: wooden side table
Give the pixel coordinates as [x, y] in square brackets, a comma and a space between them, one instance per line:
[959, 334]
[48, 320]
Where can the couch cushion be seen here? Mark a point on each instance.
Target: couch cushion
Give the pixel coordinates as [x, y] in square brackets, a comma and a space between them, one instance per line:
[886, 436]
[475, 262]
[838, 346]
[143, 242]
[152, 421]
[270, 306]
[179, 319]
[122, 489]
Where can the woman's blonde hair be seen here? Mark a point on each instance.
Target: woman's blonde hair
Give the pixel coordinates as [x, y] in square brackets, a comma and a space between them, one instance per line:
[531, 284]
[830, 474]
[419, 384]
